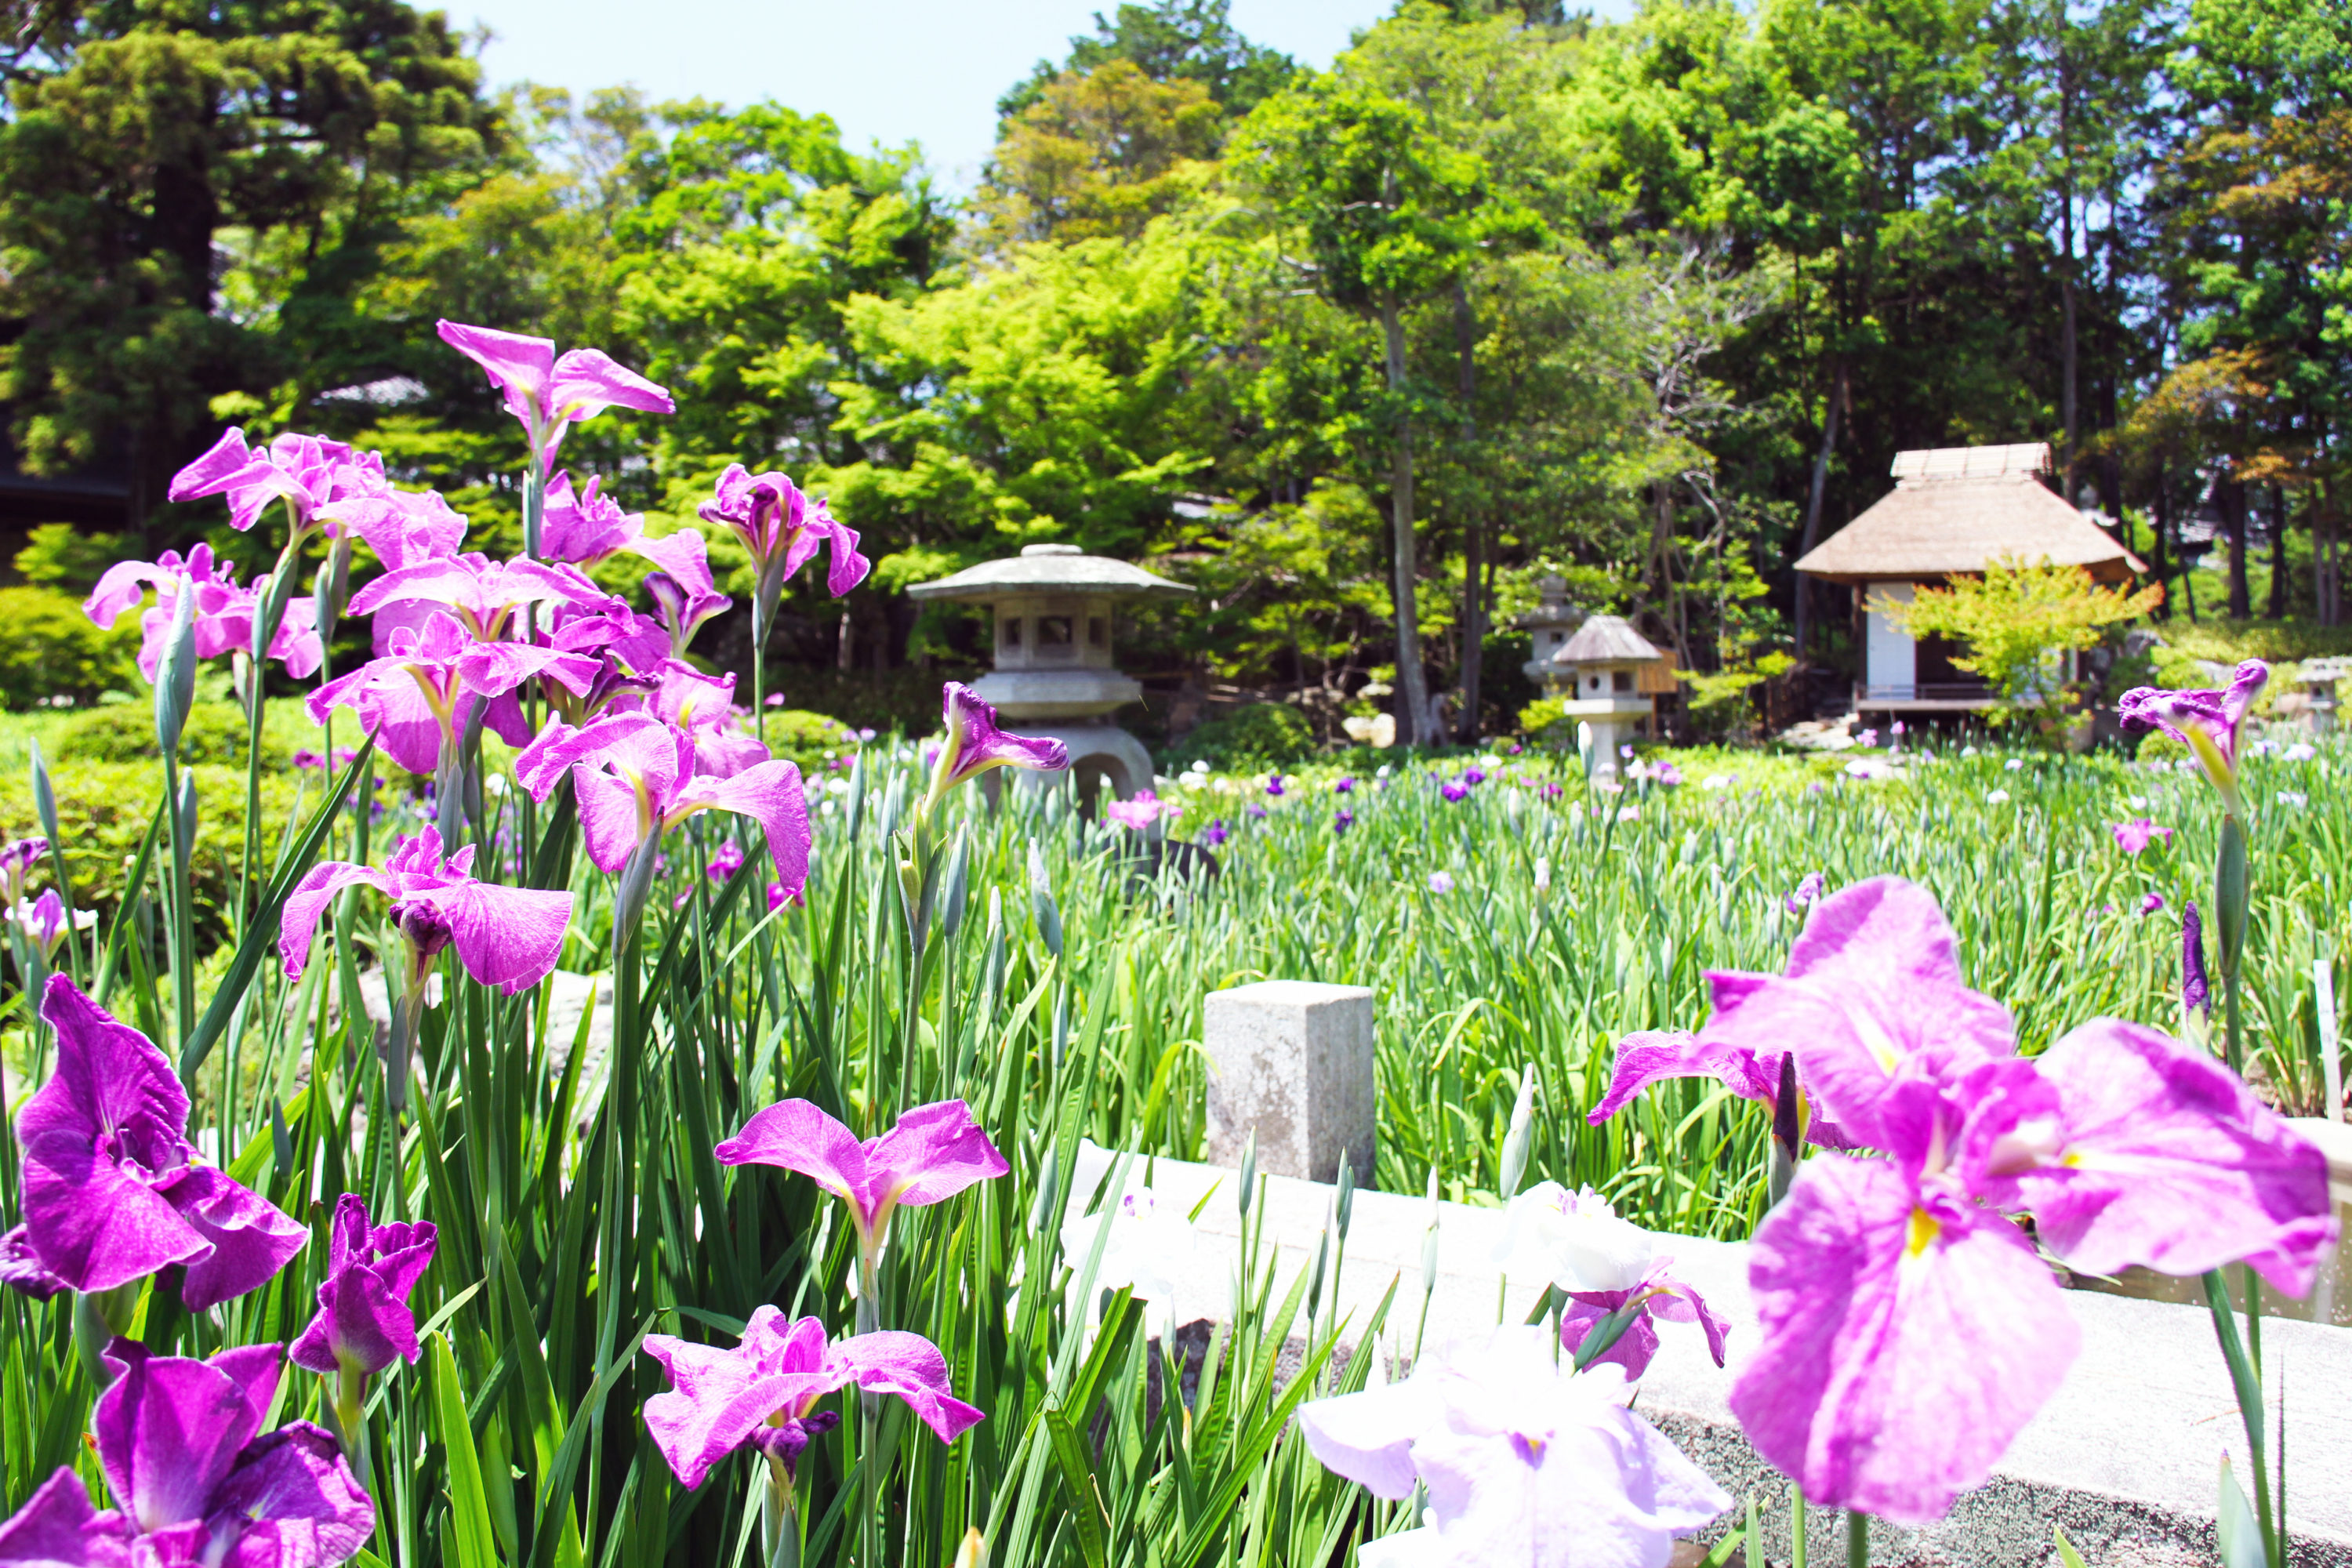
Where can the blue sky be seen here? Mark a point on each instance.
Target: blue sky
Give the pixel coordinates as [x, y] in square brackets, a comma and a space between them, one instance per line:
[925, 71]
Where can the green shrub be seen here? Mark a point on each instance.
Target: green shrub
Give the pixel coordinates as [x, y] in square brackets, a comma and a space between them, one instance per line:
[55, 556]
[103, 812]
[1545, 721]
[803, 737]
[907, 701]
[48, 648]
[125, 732]
[1262, 735]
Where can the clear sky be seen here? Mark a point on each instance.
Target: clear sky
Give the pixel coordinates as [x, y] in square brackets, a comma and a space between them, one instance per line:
[893, 72]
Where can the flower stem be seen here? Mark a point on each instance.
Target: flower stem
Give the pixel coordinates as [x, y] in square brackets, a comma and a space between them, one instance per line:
[777, 1523]
[2246, 1379]
[1857, 1539]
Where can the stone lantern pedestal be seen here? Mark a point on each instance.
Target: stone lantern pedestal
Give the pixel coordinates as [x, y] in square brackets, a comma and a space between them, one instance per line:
[1051, 612]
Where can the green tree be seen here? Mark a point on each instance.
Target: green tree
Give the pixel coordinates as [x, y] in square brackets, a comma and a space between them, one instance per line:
[1168, 41]
[1391, 179]
[145, 142]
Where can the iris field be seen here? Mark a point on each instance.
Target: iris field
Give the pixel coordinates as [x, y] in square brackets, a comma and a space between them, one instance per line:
[860, 1022]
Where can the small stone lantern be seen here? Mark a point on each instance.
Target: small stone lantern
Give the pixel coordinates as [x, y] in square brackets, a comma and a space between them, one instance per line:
[1608, 672]
[1051, 610]
[1551, 623]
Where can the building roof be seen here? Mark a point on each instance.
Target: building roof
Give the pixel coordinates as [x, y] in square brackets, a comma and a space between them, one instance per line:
[1957, 510]
[1049, 569]
[1607, 639]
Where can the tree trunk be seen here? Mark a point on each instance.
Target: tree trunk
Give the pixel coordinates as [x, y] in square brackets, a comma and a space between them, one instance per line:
[2229, 498]
[1474, 543]
[2326, 585]
[2066, 353]
[2278, 554]
[2163, 542]
[1812, 534]
[1411, 682]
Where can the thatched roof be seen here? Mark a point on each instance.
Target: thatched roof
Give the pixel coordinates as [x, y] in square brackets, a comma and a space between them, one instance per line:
[1606, 639]
[1955, 510]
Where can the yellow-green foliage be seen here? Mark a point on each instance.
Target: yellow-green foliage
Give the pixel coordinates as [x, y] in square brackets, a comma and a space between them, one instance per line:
[49, 649]
[2014, 616]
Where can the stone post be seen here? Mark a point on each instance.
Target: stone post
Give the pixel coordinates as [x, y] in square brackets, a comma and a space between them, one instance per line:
[1293, 1059]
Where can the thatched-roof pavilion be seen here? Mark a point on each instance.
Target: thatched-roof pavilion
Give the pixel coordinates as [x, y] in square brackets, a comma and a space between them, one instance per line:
[1954, 511]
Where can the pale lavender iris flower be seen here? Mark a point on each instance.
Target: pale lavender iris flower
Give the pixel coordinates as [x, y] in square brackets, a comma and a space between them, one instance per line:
[635, 779]
[113, 1188]
[363, 1323]
[43, 921]
[2136, 834]
[311, 473]
[764, 1391]
[505, 937]
[974, 743]
[2206, 721]
[1893, 1373]
[548, 394]
[934, 1153]
[417, 700]
[1576, 1243]
[1524, 1461]
[223, 620]
[197, 1482]
[18, 858]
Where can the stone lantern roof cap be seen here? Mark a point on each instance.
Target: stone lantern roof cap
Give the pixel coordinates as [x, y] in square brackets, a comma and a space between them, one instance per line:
[1050, 568]
[1607, 639]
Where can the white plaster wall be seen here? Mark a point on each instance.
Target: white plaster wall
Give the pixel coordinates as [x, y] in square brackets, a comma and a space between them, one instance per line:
[1890, 657]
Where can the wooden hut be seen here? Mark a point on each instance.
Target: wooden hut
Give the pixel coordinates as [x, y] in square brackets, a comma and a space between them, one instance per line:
[1954, 511]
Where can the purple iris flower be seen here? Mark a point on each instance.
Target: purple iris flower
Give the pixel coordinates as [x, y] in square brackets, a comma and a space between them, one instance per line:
[196, 1480]
[781, 529]
[364, 1323]
[725, 861]
[1273, 786]
[113, 1189]
[1216, 833]
[582, 527]
[635, 780]
[1808, 888]
[404, 528]
[18, 858]
[639, 642]
[419, 698]
[1441, 881]
[1343, 820]
[312, 473]
[223, 621]
[1343, 786]
[1892, 1375]
[2135, 836]
[549, 394]
[1524, 1461]
[505, 937]
[2206, 721]
[764, 1391]
[934, 1153]
[2195, 993]
[2150, 903]
[975, 745]
[1454, 790]
[682, 591]
[484, 594]
[1474, 776]
[1871, 953]
[704, 707]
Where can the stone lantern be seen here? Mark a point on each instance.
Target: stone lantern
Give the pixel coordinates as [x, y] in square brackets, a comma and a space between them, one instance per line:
[1608, 672]
[1050, 610]
[1550, 624]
